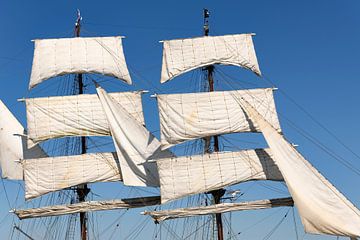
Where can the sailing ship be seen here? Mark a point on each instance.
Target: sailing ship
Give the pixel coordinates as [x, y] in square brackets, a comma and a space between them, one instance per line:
[140, 159]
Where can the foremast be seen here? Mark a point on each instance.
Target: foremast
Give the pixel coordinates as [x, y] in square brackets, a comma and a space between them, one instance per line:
[82, 190]
[217, 194]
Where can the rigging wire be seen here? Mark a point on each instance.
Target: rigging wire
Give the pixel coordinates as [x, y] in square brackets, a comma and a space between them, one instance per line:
[276, 226]
[172, 28]
[315, 141]
[295, 225]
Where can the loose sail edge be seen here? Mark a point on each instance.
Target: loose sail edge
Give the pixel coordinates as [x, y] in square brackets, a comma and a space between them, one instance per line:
[183, 55]
[322, 208]
[14, 146]
[134, 144]
[56, 57]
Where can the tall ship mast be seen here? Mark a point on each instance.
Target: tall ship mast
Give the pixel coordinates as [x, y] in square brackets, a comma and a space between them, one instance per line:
[139, 159]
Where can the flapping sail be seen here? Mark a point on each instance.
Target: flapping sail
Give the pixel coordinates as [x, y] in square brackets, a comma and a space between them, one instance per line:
[44, 175]
[134, 144]
[322, 208]
[13, 145]
[56, 57]
[219, 208]
[59, 210]
[183, 55]
[80, 115]
[196, 115]
[184, 176]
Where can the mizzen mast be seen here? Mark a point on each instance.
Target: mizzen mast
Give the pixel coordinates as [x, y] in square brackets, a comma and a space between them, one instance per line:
[82, 190]
[217, 194]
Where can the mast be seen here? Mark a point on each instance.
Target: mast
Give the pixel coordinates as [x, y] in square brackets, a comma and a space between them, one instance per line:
[81, 190]
[217, 194]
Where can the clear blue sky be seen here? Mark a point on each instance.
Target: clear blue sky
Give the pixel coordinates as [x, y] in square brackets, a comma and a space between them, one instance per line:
[309, 49]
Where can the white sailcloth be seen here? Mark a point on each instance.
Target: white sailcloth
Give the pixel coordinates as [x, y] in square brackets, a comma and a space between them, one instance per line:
[219, 208]
[80, 115]
[184, 176]
[322, 208]
[59, 210]
[134, 144]
[56, 57]
[44, 175]
[196, 115]
[13, 145]
[183, 55]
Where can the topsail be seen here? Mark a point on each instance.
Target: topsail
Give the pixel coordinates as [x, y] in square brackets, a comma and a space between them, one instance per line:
[183, 55]
[190, 116]
[80, 115]
[56, 57]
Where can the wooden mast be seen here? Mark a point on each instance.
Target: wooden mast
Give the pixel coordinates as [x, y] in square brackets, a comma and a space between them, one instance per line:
[217, 194]
[81, 190]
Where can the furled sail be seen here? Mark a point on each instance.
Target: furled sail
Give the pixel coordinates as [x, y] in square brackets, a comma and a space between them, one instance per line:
[44, 175]
[80, 115]
[196, 115]
[183, 176]
[56, 57]
[13, 145]
[59, 210]
[134, 144]
[322, 208]
[183, 55]
[219, 208]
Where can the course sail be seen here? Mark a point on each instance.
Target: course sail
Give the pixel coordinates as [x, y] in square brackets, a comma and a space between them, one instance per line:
[184, 176]
[56, 57]
[219, 208]
[44, 175]
[59, 210]
[183, 55]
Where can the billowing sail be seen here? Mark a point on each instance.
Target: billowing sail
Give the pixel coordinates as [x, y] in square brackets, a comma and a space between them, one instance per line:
[80, 115]
[13, 145]
[322, 208]
[44, 175]
[219, 208]
[183, 55]
[183, 176]
[59, 210]
[134, 144]
[196, 115]
[56, 57]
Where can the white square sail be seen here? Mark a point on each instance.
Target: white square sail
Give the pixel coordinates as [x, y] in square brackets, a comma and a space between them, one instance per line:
[81, 115]
[183, 55]
[188, 175]
[190, 116]
[56, 57]
[45, 175]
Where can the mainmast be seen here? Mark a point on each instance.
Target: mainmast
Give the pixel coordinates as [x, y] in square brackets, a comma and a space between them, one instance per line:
[217, 194]
[81, 190]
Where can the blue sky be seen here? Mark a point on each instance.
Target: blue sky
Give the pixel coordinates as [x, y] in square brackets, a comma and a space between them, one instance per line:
[309, 49]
